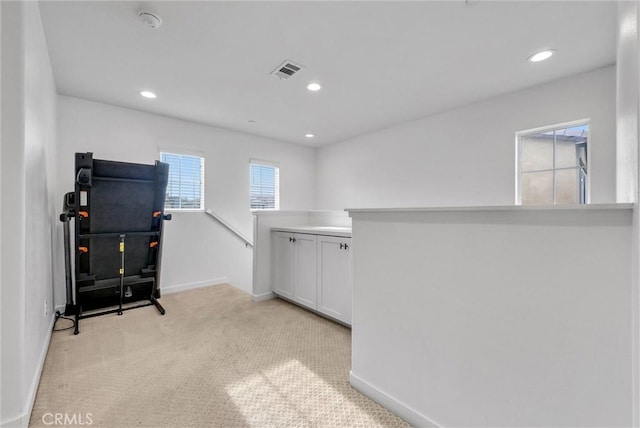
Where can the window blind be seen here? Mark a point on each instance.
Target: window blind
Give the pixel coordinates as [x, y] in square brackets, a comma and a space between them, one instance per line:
[185, 189]
[264, 187]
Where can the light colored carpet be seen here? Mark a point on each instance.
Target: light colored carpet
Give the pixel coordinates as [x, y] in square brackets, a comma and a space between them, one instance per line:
[215, 360]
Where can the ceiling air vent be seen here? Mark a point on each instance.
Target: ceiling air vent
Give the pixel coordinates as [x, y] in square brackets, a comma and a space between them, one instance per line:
[286, 70]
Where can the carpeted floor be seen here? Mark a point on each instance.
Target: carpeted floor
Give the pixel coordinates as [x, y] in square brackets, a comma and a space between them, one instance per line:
[215, 360]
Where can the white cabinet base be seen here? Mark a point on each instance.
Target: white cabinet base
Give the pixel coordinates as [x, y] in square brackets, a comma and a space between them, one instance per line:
[283, 264]
[314, 271]
[304, 290]
[334, 277]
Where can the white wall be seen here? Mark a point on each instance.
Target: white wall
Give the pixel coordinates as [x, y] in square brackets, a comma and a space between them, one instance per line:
[466, 156]
[40, 198]
[28, 170]
[1, 224]
[13, 211]
[197, 249]
[627, 102]
[627, 118]
[515, 317]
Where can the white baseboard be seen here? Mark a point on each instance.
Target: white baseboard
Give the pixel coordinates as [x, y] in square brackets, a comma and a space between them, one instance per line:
[193, 285]
[33, 390]
[13, 423]
[405, 412]
[262, 297]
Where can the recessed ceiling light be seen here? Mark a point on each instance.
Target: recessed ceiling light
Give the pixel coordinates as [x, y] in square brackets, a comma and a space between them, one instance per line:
[147, 94]
[542, 55]
[314, 86]
[309, 135]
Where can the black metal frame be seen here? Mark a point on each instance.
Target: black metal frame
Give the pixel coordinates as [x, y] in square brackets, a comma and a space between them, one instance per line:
[139, 221]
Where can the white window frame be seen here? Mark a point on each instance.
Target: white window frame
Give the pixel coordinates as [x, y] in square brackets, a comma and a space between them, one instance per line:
[202, 178]
[547, 128]
[254, 161]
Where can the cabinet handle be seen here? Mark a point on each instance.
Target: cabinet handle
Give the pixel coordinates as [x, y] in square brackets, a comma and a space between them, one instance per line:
[290, 239]
[341, 246]
[346, 246]
[294, 240]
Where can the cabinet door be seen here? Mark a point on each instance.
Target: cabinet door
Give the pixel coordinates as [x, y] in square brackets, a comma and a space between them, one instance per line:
[283, 263]
[334, 277]
[304, 289]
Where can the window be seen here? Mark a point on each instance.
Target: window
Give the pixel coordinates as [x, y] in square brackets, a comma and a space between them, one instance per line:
[553, 165]
[185, 190]
[264, 186]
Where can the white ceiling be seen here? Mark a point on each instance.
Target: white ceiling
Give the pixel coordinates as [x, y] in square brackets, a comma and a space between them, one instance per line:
[380, 63]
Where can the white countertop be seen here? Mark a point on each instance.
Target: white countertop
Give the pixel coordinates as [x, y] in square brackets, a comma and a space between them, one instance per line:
[317, 230]
[496, 208]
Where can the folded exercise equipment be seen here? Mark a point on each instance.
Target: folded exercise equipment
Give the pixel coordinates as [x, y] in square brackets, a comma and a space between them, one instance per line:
[118, 213]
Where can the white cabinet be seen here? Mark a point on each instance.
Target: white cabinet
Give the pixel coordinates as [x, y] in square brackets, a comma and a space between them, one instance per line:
[304, 279]
[283, 264]
[294, 268]
[314, 271]
[334, 277]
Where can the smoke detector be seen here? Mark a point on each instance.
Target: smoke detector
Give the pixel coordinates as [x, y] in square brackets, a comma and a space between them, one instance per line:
[286, 70]
[150, 20]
